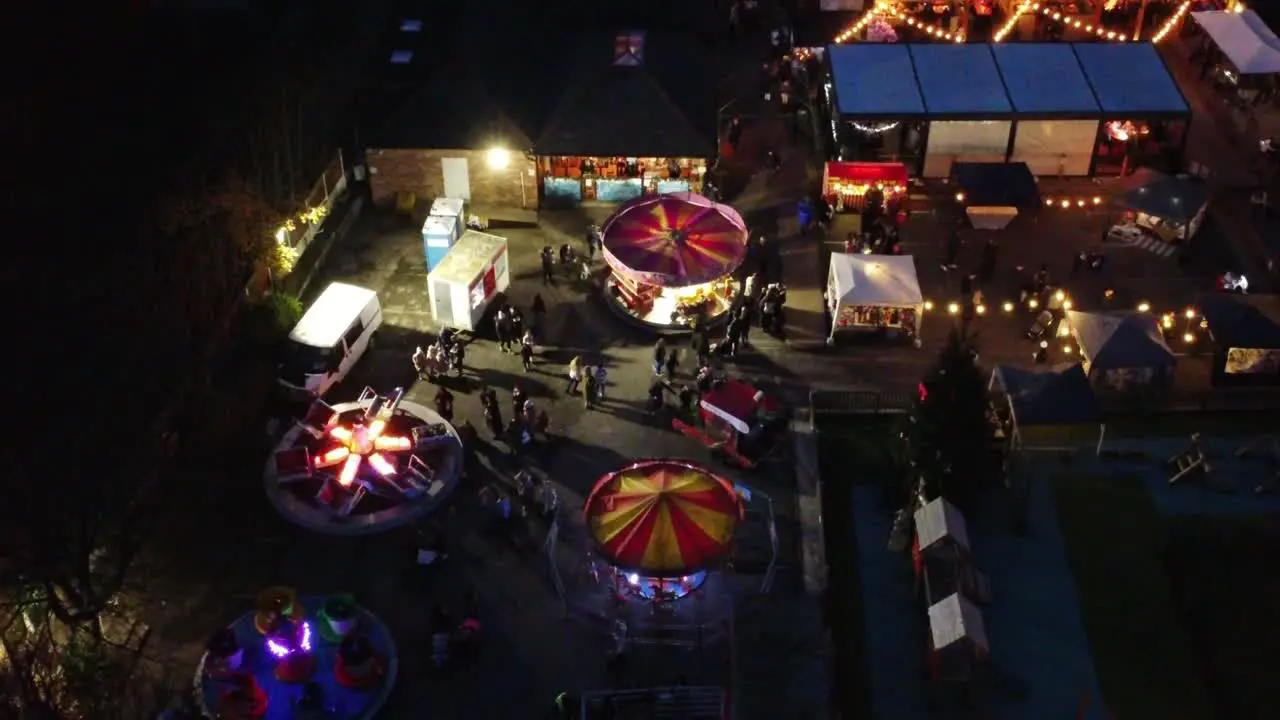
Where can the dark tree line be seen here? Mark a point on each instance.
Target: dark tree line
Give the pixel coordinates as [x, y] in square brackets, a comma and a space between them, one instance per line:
[145, 210]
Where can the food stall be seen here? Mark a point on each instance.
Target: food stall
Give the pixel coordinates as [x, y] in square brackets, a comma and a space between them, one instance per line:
[845, 185]
[619, 179]
[874, 293]
[672, 257]
[1172, 208]
[473, 272]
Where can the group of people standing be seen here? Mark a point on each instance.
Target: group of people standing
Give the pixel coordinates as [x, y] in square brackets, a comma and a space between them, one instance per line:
[588, 380]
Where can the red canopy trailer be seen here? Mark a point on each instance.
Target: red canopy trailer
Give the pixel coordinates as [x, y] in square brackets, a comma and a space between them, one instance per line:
[735, 420]
[846, 184]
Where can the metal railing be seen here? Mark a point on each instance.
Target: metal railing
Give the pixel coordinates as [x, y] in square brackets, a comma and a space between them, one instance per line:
[847, 402]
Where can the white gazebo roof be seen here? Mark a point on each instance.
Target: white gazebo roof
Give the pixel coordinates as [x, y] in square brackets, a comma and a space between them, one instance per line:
[953, 619]
[939, 519]
[878, 280]
[1247, 41]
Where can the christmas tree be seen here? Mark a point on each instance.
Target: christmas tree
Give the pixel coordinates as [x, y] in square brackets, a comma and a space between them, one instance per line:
[949, 436]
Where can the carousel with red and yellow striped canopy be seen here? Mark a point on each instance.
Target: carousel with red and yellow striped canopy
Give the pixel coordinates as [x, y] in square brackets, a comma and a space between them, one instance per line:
[672, 257]
[662, 524]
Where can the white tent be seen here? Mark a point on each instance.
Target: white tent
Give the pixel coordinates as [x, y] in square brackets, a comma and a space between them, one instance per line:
[1246, 41]
[857, 282]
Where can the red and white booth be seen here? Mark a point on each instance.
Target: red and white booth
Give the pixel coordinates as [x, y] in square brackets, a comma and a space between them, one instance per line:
[845, 184]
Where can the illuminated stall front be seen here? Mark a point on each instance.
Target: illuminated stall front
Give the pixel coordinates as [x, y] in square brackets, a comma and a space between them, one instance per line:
[638, 119]
[672, 258]
[845, 184]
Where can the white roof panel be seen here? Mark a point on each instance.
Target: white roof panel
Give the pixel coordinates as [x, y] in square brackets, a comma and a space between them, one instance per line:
[449, 207]
[878, 280]
[953, 619]
[323, 324]
[468, 257]
[940, 519]
[1247, 41]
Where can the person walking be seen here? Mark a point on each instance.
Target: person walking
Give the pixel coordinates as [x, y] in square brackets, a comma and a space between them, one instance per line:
[602, 381]
[526, 350]
[548, 266]
[575, 375]
[673, 364]
[518, 398]
[444, 403]
[588, 388]
[744, 314]
[539, 310]
[493, 419]
[659, 355]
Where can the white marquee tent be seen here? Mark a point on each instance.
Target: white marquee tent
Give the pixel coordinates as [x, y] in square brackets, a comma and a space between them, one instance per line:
[872, 281]
[1244, 38]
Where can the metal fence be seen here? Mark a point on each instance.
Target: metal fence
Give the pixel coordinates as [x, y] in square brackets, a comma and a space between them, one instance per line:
[849, 402]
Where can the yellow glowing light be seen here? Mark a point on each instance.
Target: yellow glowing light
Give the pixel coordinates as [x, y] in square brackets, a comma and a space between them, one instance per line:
[1079, 203]
[1066, 304]
[1190, 313]
[1066, 203]
[282, 235]
[981, 309]
[1060, 296]
[1097, 200]
[1033, 303]
[1167, 321]
[1144, 306]
[498, 158]
[1007, 28]
[928, 304]
[1204, 324]
[1067, 349]
[1008, 306]
[953, 308]
[959, 197]
[1188, 338]
[1171, 22]
[1048, 202]
[1063, 330]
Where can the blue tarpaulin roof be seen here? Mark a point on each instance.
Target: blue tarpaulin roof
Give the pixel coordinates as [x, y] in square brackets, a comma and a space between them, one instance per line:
[959, 79]
[1129, 78]
[874, 79]
[1044, 78]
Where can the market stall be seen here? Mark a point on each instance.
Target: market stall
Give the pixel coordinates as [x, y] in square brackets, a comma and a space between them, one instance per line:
[962, 89]
[662, 525]
[473, 272]
[1171, 207]
[993, 194]
[845, 185]
[1036, 407]
[672, 257]
[1246, 337]
[1122, 351]
[874, 293]
[1057, 126]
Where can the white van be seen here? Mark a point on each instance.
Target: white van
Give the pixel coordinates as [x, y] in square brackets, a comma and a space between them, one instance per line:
[329, 339]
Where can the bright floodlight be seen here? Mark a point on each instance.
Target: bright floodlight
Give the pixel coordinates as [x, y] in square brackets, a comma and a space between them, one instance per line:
[499, 158]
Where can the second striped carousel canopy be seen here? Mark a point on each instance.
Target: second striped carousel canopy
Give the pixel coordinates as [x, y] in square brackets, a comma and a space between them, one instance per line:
[674, 240]
[663, 518]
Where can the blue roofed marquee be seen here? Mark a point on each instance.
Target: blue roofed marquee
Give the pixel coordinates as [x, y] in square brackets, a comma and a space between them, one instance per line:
[959, 79]
[874, 79]
[1044, 79]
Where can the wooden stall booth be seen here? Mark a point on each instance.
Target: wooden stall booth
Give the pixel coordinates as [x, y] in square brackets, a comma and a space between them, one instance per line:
[574, 179]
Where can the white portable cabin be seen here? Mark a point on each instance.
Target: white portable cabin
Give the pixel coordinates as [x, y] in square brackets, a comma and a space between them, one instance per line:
[938, 521]
[453, 209]
[467, 279]
[957, 638]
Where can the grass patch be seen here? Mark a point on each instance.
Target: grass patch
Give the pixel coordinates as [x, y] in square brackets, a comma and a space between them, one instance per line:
[1222, 572]
[852, 450]
[1182, 424]
[1140, 648]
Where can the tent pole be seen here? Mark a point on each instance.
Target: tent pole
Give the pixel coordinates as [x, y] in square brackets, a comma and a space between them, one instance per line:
[1102, 436]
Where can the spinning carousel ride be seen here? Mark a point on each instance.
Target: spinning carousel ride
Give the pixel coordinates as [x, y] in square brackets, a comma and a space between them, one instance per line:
[672, 258]
[363, 467]
[662, 525]
[298, 657]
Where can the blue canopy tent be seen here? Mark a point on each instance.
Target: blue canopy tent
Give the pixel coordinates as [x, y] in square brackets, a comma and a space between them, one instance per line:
[1047, 398]
[873, 80]
[1057, 112]
[1122, 350]
[1130, 80]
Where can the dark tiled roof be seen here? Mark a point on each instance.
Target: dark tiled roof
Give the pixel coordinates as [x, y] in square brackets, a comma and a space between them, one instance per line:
[663, 107]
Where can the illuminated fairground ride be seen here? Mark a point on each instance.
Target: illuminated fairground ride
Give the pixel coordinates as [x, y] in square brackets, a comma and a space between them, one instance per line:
[365, 466]
[291, 657]
[672, 257]
[662, 525]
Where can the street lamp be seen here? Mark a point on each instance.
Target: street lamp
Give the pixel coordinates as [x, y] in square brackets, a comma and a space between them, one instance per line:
[498, 158]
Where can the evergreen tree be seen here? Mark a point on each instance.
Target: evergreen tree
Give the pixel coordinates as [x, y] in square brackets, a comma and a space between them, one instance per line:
[949, 436]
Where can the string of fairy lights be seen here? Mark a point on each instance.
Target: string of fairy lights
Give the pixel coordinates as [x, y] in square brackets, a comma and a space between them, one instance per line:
[1186, 325]
[894, 10]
